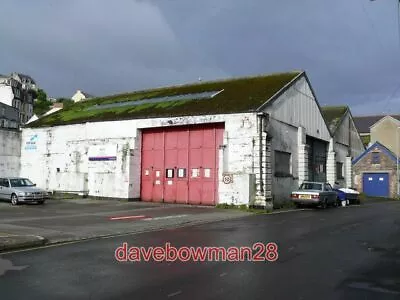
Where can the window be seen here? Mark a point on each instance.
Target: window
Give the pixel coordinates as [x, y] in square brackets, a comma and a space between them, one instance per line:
[376, 158]
[4, 182]
[339, 170]
[311, 186]
[328, 187]
[169, 173]
[3, 111]
[181, 173]
[20, 182]
[283, 164]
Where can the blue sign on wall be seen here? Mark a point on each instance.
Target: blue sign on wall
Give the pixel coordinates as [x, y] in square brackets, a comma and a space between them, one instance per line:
[31, 143]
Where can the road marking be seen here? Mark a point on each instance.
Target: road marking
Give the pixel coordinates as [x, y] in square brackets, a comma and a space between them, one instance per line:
[223, 274]
[127, 218]
[174, 294]
[164, 218]
[6, 265]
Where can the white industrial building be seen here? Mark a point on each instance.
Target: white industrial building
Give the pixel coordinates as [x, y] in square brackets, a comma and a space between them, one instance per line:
[242, 141]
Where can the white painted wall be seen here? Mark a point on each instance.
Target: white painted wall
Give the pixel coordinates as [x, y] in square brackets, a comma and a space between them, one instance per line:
[57, 159]
[6, 94]
[10, 152]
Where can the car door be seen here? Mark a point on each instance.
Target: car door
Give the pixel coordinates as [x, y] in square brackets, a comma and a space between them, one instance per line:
[331, 194]
[4, 188]
[1, 188]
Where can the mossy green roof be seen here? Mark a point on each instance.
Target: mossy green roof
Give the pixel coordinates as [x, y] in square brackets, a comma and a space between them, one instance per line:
[366, 139]
[238, 95]
[333, 116]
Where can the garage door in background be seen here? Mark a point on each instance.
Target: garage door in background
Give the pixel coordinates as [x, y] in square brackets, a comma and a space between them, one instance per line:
[376, 184]
[180, 164]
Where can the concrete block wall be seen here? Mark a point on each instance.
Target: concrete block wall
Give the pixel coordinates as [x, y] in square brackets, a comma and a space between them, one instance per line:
[348, 171]
[58, 160]
[331, 168]
[10, 152]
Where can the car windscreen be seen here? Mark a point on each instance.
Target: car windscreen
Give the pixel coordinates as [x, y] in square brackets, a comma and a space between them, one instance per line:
[20, 182]
[311, 186]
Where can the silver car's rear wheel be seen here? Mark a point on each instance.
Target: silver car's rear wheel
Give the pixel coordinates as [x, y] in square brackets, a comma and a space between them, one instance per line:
[14, 199]
[324, 204]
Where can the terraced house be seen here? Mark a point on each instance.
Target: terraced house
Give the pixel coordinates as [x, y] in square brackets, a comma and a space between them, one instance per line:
[241, 141]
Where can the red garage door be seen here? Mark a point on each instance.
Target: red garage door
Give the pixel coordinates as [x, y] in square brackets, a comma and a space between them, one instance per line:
[180, 164]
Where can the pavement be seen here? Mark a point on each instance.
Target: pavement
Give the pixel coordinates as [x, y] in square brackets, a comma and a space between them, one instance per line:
[68, 220]
[338, 253]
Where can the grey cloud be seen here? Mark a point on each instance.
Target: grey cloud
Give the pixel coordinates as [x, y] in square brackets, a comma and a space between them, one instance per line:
[350, 49]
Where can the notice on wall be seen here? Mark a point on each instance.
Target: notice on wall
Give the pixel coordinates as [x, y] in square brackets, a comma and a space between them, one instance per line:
[207, 173]
[31, 143]
[158, 173]
[195, 173]
[170, 173]
[107, 152]
[181, 173]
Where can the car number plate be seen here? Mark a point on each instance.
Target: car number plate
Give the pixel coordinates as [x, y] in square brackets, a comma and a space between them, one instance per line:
[305, 197]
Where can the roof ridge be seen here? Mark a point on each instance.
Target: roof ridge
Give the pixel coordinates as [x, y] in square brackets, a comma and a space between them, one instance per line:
[190, 84]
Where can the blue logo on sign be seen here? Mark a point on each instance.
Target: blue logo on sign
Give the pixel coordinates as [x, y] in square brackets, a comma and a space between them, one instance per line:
[31, 144]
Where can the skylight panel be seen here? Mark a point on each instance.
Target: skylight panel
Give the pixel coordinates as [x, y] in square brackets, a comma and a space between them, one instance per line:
[188, 97]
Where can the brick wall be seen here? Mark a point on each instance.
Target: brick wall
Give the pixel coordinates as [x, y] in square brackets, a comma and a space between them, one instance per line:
[365, 166]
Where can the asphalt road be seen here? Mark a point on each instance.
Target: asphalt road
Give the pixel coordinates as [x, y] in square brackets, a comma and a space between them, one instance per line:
[338, 253]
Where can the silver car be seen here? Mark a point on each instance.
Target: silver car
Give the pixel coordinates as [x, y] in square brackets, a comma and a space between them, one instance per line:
[317, 193]
[21, 190]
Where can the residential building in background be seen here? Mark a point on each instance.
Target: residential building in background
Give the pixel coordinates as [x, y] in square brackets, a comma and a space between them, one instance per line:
[27, 82]
[364, 124]
[18, 91]
[9, 117]
[81, 96]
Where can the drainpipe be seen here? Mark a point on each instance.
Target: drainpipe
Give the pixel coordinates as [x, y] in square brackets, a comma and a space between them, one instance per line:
[263, 121]
[260, 121]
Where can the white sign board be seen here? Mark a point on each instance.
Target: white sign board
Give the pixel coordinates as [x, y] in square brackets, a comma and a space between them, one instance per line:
[102, 153]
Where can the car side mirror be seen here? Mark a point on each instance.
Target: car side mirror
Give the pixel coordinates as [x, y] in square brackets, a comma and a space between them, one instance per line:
[34, 184]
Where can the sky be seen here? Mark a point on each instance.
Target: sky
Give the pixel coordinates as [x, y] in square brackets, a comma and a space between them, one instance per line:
[349, 49]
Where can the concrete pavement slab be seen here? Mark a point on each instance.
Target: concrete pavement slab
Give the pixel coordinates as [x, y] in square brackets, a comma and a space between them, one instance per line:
[65, 221]
[11, 242]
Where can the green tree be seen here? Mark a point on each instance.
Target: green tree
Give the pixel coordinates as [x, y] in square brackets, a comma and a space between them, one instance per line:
[66, 102]
[41, 104]
[41, 95]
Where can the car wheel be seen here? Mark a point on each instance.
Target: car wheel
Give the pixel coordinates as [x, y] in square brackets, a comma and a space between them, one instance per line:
[298, 205]
[14, 199]
[324, 204]
[41, 202]
[336, 203]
